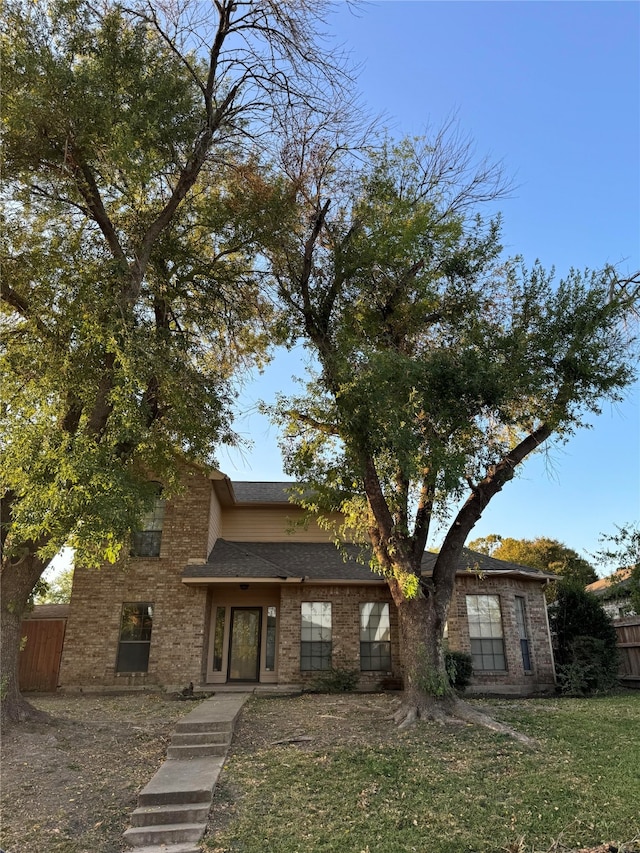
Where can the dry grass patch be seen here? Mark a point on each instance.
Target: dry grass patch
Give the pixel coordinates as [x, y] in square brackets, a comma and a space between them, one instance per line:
[329, 774]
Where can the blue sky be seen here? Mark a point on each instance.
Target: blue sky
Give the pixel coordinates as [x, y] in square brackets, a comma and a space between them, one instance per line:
[553, 90]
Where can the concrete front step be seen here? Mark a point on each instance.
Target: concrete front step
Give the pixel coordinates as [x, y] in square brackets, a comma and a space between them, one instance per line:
[203, 726]
[182, 782]
[169, 833]
[184, 752]
[170, 813]
[192, 738]
[187, 847]
[173, 808]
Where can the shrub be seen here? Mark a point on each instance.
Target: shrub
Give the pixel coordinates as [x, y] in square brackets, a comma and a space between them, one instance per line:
[459, 666]
[335, 680]
[592, 668]
[585, 645]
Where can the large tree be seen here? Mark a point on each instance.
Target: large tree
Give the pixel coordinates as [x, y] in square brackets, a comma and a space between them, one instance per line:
[131, 293]
[442, 366]
[548, 555]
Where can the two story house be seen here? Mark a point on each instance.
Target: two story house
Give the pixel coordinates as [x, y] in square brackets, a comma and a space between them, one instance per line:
[224, 588]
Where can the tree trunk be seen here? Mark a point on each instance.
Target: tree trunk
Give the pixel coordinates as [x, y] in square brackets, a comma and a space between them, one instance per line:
[427, 692]
[18, 579]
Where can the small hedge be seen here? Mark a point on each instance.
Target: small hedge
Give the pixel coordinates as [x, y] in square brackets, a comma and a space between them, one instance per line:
[459, 666]
[335, 680]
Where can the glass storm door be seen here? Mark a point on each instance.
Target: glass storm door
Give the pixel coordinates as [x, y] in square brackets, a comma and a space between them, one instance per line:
[244, 644]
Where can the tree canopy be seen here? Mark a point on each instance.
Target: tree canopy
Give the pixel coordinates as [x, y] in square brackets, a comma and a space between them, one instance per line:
[131, 291]
[442, 364]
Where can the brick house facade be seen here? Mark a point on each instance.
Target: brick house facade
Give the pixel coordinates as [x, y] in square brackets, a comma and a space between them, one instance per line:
[231, 590]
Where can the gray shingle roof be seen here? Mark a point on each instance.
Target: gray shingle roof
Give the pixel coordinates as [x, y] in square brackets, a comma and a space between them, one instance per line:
[476, 562]
[251, 492]
[281, 560]
[320, 561]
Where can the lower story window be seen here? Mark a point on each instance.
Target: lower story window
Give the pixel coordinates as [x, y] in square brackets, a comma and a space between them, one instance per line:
[218, 639]
[521, 620]
[315, 635]
[136, 622]
[270, 655]
[485, 632]
[375, 637]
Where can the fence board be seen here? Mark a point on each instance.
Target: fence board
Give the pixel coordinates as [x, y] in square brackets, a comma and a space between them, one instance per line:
[628, 634]
[40, 657]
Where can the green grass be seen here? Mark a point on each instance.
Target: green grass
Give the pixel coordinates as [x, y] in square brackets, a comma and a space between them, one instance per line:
[444, 789]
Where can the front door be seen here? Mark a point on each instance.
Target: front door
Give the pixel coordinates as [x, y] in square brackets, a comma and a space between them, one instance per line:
[244, 644]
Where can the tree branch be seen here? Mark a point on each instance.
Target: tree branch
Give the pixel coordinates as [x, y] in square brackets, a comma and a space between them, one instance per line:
[22, 306]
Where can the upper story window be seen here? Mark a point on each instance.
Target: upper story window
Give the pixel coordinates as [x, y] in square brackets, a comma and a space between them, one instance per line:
[485, 632]
[146, 541]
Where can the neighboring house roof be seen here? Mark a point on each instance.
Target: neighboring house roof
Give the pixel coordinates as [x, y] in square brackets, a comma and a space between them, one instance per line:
[614, 585]
[48, 611]
[322, 561]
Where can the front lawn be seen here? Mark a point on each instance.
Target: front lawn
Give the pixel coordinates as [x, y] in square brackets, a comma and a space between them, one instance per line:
[330, 774]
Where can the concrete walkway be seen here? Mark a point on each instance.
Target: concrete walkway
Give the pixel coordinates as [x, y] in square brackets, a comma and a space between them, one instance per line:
[173, 808]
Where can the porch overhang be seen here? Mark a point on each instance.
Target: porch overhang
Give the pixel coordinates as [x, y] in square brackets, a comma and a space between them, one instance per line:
[214, 579]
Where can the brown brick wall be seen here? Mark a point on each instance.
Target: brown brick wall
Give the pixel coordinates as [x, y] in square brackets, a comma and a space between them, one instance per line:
[179, 619]
[514, 679]
[345, 617]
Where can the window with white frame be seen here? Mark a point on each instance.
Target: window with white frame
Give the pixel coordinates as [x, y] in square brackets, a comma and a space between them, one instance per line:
[375, 637]
[315, 635]
[485, 632]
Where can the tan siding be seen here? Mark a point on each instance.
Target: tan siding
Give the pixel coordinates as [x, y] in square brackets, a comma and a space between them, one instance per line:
[273, 524]
[215, 521]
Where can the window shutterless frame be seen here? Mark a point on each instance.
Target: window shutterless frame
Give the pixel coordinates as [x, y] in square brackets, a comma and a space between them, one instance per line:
[136, 622]
[485, 633]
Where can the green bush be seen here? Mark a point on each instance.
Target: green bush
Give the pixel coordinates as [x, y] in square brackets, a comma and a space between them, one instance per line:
[584, 638]
[593, 668]
[459, 666]
[335, 680]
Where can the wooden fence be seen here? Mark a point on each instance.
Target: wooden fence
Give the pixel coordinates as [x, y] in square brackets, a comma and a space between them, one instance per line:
[42, 648]
[628, 631]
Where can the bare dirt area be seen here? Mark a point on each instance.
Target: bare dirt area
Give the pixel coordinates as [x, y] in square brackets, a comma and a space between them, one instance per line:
[69, 785]
[319, 721]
